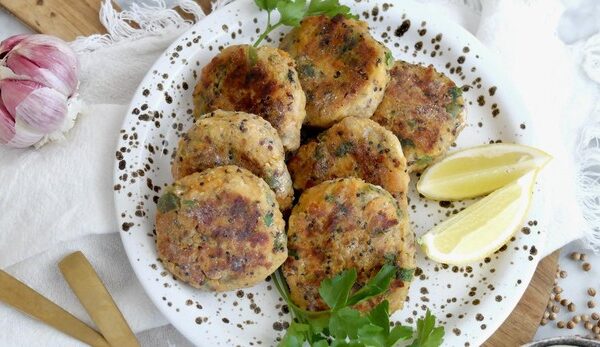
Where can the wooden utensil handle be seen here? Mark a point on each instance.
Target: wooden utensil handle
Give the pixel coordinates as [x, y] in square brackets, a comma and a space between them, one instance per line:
[18, 295]
[96, 300]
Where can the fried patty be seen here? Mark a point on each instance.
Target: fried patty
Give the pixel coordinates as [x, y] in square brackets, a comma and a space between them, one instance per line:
[345, 224]
[342, 68]
[235, 138]
[220, 229]
[262, 81]
[354, 147]
[425, 109]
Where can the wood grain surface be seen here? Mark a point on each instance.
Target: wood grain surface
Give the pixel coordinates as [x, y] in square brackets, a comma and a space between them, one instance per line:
[523, 322]
[71, 18]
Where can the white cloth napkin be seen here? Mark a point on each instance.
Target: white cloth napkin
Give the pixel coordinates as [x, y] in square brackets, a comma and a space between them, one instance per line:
[59, 199]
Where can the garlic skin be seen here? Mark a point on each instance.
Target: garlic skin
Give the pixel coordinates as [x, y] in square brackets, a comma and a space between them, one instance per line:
[38, 80]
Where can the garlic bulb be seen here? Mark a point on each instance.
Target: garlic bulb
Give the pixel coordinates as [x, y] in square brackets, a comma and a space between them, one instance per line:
[38, 81]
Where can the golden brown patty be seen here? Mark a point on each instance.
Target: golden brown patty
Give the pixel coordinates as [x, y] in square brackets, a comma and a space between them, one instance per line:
[354, 147]
[262, 81]
[345, 224]
[342, 69]
[235, 138]
[220, 229]
[425, 109]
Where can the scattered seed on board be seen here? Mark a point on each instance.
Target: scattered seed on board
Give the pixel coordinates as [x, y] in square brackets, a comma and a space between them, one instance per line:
[555, 309]
[591, 304]
[596, 330]
[546, 314]
[586, 266]
[570, 324]
[552, 316]
[557, 290]
[595, 316]
[576, 256]
[571, 307]
[576, 319]
[563, 273]
[557, 297]
[591, 292]
[584, 257]
[585, 318]
[544, 321]
[589, 326]
[560, 324]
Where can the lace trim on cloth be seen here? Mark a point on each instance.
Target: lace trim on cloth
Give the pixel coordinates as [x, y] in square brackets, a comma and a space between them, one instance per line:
[153, 17]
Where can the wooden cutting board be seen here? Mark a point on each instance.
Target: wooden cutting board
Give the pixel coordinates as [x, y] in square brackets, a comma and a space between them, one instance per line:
[68, 19]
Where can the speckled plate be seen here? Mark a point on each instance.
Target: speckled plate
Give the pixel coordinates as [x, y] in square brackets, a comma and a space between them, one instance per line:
[471, 301]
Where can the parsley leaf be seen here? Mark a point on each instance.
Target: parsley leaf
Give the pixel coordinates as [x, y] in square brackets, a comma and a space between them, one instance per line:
[329, 8]
[291, 12]
[427, 334]
[345, 322]
[335, 291]
[267, 5]
[345, 326]
[375, 285]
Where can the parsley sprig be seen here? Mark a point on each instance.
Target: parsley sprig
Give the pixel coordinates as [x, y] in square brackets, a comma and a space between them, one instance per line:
[293, 11]
[342, 325]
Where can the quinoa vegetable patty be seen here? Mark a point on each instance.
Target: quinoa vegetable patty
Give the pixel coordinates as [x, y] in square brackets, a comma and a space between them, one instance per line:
[345, 224]
[220, 229]
[262, 81]
[342, 68]
[425, 109]
[235, 138]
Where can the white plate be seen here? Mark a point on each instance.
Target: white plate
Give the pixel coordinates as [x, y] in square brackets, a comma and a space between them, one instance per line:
[470, 301]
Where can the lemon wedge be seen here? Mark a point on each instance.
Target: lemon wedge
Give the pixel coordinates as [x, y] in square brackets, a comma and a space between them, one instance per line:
[482, 228]
[479, 170]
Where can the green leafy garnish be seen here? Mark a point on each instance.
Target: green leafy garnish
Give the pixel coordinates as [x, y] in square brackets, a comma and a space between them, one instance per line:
[168, 202]
[343, 325]
[427, 333]
[291, 12]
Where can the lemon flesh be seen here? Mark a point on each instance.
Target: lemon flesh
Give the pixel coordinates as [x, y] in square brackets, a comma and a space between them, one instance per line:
[479, 170]
[482, 228]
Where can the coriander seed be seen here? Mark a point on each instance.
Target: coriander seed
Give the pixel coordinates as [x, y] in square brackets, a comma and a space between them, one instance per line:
[546, 314]
[557, 290]
[596, 330]
[570, 325]
[595, 316]
[560, 324]
[544, 321]
[552, 316]
[576, 319]
[557, 297]
[584, 257]
[571, 307]
[589, 326]
[591, 292]
[575, 255]
[555, 309]
[585, 318]
[591, 304]
[586, 266]
[563, 273]
[564, 302]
